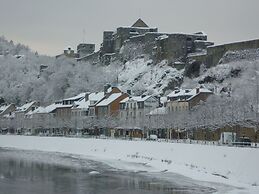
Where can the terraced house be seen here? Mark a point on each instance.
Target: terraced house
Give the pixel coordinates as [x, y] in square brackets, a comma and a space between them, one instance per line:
[186, 99]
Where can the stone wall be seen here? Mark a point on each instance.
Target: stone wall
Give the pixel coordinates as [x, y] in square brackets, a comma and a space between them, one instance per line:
[92, 58]
[215, 53]
[108, 43]
[176, 46]
[85, 49]
[124, 33]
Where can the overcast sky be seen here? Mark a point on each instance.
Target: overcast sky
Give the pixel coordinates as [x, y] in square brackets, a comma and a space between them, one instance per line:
[48, 26]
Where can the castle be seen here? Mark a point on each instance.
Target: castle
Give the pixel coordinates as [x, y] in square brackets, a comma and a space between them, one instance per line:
[179, 49]
[173, 47]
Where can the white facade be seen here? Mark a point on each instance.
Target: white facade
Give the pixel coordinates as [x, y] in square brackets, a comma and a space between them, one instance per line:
[134, 109]
[83, 107]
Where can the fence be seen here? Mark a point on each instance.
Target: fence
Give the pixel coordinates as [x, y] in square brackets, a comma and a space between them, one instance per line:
[182, 141]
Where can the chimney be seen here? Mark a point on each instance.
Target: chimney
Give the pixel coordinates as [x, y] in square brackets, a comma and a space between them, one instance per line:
[129, 92]
[143, 96]
[106, 87]
[197, 90]
[87, 96]
[160, 104]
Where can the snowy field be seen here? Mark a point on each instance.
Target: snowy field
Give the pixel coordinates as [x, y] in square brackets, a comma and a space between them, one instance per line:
[229, 165]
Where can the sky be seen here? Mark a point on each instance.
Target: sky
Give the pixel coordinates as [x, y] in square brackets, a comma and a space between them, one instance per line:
[49, 26]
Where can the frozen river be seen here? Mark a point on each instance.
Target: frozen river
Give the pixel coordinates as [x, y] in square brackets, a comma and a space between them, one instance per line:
[30, 172]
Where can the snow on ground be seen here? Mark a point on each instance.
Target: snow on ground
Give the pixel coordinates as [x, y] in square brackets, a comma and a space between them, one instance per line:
[142, 75]
[229, 165]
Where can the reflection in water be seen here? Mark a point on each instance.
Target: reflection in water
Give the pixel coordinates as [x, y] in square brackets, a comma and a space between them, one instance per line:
[28, 172]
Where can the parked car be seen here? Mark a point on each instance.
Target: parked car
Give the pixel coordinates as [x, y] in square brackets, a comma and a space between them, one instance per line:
[27, 133]
[102, 136]
[243, 142]
[152, 137]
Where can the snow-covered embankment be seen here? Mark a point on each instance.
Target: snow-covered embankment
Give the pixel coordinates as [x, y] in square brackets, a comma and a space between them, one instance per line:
[230, 165]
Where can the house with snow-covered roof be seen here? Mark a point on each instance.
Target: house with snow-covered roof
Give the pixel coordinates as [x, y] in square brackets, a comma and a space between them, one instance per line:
[110, 104]
[186, 99]
[21, 111]
[134, 108]
[7, 109]
[62, 108]
[71, 100]
[82, 107]
[47, 111]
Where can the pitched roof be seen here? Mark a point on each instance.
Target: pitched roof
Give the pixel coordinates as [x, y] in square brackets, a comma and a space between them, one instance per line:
[188, 93]
[4, 108]
[25, 107]
[110, 99]
[96, 97]
[136, 98]
[140, 23]
[48, 109]
[79, 96]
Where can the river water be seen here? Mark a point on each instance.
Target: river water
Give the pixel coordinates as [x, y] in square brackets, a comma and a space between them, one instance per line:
[33, 172]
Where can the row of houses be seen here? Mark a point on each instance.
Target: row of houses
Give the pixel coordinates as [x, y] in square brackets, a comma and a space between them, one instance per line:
[111, 104]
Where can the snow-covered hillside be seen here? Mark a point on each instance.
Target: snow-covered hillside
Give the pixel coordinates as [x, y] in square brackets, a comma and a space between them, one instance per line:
[26, 76]
[237, 74]
[145, 77]
[33, 77]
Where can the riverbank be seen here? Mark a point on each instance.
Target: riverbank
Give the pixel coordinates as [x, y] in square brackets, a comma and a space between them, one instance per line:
[229, 165]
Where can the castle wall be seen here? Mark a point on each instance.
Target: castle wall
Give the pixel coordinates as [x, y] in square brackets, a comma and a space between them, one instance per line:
[85, 49]
[108, 42]
[177, 46]
[92, 58]
[124, 33]
[150, 42]
[215, 53]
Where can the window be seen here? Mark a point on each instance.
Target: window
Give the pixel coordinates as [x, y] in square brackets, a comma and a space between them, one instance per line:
[122, 106]
[140, 105]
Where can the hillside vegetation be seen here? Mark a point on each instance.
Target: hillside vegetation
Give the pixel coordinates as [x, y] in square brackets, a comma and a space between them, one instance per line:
[26, 76]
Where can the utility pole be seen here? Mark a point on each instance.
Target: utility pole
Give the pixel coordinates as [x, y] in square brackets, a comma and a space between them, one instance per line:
[257, 96]
[84, 36]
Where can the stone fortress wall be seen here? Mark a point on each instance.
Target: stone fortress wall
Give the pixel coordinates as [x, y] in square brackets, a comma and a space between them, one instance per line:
[215, 53]
[179, 49]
